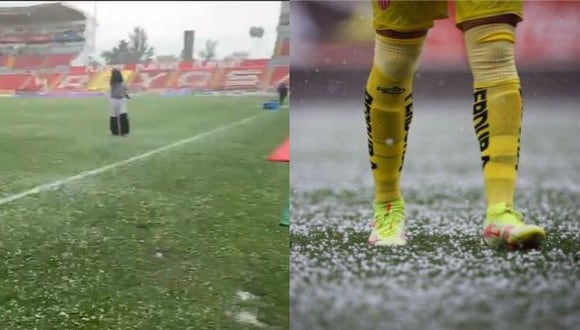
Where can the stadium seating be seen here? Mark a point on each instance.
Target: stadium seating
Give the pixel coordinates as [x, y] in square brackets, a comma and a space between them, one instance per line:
[52, 80]
[151, 80]
[284, 49]
[254, 63]
[59, 59]
[73, 82]
[28, 62]
[240, 78]
[56, 42]
[100, 81]
[15, 81]
[280, 74]
[195, 79]
[247, 75]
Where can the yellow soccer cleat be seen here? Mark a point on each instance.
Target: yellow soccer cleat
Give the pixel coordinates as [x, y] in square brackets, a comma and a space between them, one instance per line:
[504, 227]
[389, 224]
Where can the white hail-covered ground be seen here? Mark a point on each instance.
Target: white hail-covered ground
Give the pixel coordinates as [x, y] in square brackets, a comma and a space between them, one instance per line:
[444, 278]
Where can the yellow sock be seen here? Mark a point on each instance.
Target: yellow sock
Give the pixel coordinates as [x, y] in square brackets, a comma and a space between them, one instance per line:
[389, 110]
[497, 109]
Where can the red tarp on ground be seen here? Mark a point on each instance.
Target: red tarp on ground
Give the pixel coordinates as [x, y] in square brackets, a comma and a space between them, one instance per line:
[282, 153]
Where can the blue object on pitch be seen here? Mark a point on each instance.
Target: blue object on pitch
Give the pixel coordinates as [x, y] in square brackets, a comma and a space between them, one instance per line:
[271, 105]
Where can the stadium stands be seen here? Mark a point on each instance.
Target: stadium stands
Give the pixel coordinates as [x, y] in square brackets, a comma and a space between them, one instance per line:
[280, 74]
[253, 75]
[13, 82]
[150, 80]
[58, 59]
[39, 43]
[40, 36]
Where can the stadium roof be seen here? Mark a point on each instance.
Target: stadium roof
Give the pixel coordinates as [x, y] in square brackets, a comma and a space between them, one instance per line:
[39, 14]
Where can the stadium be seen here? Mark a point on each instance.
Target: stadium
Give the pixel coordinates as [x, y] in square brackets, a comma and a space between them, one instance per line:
[444, 278]
[177, 224]
[53, 57]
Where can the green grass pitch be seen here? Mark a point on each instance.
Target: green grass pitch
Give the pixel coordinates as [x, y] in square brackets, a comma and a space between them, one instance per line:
[166, 242]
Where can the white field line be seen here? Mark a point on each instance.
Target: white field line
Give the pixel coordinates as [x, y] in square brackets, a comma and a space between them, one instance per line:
[82, 175]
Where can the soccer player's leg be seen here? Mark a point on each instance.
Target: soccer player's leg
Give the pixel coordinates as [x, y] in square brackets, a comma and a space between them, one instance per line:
[497, 115]
[123, 118]
[113, 125]
[388, 109]
[114, 118]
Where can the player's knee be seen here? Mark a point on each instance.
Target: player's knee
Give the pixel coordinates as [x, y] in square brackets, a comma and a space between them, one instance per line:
[491, 54]
[397, 58]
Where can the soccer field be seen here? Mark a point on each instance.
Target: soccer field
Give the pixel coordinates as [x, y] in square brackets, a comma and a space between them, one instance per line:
[444, 278]
[183, 238]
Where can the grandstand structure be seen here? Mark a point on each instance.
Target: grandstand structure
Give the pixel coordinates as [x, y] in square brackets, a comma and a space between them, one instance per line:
[281, 59]
[46, 49]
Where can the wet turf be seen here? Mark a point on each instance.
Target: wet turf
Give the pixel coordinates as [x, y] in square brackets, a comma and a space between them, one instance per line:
[163, 243]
